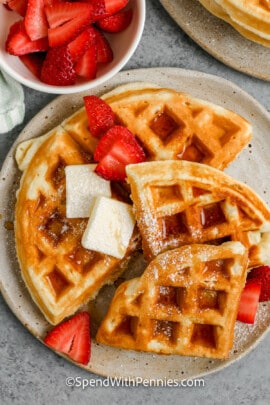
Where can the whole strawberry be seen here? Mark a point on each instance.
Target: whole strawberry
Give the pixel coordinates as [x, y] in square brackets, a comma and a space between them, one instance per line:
[58, 68]
[262, 275]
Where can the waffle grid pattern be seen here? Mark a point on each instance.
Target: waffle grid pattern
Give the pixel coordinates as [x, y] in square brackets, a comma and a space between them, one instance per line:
[172, 125]
[184, 303]
[60, 273]
[179, 203]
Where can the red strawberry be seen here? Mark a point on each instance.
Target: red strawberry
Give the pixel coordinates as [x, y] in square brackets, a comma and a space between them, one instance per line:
[72, 337]
[66, 20]
[36, 24]
[262, 276]
[61, 12]
[19, 43]
[33, 61]
[81, 43]
[100, 115]
[52, 2]
[249, 301]
[58, 67]
[99, 9]
[19, 6]
[116, 149]
[87, 64]
[104, 50]
[113, 6]
[117, 22]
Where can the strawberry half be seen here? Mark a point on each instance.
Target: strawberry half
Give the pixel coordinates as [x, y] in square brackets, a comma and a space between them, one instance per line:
[100, 115]
[115, 150]
[59, 13]
[81, 43]
[262, 276]
[117, 22]
[72, 337]
[104, 50]
[35, 20]
[249, 302]
[18, 42]
[58, 67]
[87, 64]
[67, 20]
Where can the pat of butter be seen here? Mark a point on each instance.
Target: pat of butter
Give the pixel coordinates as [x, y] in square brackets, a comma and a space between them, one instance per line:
[109, 228]
[82, 186]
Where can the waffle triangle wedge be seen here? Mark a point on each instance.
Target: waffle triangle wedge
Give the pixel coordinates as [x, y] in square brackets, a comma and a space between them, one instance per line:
[59, 273]
[172, 125]
[185, 303]
[179, 203]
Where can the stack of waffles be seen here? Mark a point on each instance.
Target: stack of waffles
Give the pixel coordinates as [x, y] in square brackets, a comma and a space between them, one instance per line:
[200, 229]
[251, 18]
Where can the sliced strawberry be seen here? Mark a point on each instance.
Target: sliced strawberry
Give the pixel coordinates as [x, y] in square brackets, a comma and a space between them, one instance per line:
[104, 50]
[100, 115]
[67, 20]
[99, 9]
[72, 337]
[19, 6]
[34, 62]
[117, 22]
[18, 42]
[61, 12]
[249, 302]
[65, 33]
[262, 275]
[113, 6]
[36, 24]
[87, 64]
[115, 150]
[81, 43]
[52, 2]
[58, 68]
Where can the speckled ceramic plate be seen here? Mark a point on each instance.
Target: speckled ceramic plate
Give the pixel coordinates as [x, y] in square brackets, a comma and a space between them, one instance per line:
[108, 361]
[219, 39]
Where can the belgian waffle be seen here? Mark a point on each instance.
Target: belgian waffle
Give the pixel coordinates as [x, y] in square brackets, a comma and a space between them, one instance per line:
[185, 303]
[251, 19]
[172, 125]
[60, 274]
[179, 203]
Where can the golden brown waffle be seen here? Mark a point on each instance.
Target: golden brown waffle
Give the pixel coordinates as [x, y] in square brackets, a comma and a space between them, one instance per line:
[253, 15]
[60, 274]
[250, 18]
[185, 303]
[173, 125]
[179, 203]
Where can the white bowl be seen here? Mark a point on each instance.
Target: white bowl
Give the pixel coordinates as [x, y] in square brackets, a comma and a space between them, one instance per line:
[123, 45]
